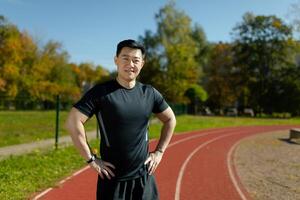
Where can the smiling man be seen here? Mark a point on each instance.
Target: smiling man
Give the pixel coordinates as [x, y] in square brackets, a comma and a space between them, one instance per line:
[123, 108]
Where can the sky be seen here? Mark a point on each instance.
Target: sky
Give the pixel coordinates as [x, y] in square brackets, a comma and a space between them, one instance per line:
[90, 30]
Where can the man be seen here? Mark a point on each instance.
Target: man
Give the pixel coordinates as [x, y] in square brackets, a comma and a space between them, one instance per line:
[123, 107]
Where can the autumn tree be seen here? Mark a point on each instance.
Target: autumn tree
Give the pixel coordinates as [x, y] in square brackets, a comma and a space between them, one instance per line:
[17, 52]
[30, 73]
[172, 54]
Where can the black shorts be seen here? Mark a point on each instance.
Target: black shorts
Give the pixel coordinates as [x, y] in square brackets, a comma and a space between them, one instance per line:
[142, 188]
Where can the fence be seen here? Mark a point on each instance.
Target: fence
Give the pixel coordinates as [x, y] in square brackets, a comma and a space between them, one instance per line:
[179, 109]
[42, 125]
[27, 103]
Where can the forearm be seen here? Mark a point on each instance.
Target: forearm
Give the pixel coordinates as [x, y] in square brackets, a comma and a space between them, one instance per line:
[78, 136]
[166, 134]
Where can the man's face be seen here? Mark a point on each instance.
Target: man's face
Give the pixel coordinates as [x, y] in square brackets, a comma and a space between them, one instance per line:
[129, 63]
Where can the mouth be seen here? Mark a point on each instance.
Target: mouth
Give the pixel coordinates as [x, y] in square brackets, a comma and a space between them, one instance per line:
[129, 71]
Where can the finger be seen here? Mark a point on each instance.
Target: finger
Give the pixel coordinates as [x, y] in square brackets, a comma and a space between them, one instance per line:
[100, 174]
[109, 164]
[106, 173]
[98, 170]
[153, 168]
[148, 160]
[109, 171]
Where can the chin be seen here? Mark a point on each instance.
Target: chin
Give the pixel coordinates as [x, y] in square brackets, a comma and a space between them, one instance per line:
[131, 77]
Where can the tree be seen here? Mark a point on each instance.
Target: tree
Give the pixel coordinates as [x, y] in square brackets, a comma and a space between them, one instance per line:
[171, 61]
[17, 51]
[203, 48]
[87, 74]
[197, 96]
[222, 79]
[33, 73]
[262, 47]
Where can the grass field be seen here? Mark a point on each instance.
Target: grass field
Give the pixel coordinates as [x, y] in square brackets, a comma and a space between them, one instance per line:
[22, 176]
[18, 127]
[188, 123]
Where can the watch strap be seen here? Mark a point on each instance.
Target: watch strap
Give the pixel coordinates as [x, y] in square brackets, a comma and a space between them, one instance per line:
[93, 158]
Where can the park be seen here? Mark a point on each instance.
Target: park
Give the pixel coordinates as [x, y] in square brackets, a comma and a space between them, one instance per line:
[237, 107]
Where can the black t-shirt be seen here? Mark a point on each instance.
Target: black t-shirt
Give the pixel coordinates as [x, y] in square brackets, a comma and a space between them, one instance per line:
[123, 116]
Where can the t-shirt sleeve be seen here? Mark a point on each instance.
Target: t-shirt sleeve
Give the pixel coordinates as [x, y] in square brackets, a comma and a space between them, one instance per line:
[159, 102]
[88, 103]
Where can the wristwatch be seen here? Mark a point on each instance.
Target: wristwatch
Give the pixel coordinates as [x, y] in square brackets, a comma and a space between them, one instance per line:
[160, 150]
[93, 158]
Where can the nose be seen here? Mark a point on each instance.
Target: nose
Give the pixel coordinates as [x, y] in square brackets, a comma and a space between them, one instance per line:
[131, 63]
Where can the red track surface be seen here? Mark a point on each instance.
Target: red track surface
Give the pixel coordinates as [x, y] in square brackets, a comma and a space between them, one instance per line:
[197, 165]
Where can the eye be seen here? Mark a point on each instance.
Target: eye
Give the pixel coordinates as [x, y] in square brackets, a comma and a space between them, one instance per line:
[136, 61]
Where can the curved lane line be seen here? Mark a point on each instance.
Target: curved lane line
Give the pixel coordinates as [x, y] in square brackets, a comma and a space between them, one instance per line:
[198, 135]
[230, 165]
[182, 169]
[170, 145]
[232, 176]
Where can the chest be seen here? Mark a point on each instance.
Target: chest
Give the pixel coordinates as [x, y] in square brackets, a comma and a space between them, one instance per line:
[124, 105]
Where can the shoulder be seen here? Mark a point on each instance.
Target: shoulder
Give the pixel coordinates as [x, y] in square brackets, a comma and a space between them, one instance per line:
[109, 83]
[145, 86]
[102, 88]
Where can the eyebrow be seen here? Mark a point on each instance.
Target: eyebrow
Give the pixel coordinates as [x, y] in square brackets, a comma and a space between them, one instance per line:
[127, 56]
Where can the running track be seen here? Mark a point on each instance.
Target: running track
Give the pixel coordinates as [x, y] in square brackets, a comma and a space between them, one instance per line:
[197, 165]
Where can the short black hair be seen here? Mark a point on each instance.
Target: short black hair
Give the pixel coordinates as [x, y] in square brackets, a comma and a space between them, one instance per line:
[131, 44]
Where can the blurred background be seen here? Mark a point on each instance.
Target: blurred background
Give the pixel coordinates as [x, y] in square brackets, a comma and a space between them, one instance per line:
[207, 58]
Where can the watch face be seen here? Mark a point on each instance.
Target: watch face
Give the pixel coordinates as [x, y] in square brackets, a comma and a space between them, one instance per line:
[91, 159]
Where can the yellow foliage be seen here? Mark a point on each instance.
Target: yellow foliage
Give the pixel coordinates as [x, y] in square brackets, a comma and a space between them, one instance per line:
[2, 84]
[10, 72]
[277, 24]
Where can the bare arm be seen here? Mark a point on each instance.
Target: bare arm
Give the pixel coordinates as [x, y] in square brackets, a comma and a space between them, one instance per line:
[75, 126]
[168, 119]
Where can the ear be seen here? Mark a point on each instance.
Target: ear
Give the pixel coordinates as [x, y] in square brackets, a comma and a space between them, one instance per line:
[143, 62]
[115, 60]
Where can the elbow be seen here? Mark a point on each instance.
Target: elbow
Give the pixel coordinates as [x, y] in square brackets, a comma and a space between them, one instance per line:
[173, 119]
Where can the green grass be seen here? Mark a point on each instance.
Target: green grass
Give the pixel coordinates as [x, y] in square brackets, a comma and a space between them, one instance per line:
[17, 127]
[188, 123]
[23, 176]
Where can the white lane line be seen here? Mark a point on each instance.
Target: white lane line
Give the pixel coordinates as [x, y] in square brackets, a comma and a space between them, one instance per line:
[230, 165]
[170, 145]
[42, 194]
[196, 136]
[61, 182]
[231, 171]
[85, 168]
[182, 169]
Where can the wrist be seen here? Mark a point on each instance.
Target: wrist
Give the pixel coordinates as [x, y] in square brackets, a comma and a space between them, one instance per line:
[160, 150]
[92, 159]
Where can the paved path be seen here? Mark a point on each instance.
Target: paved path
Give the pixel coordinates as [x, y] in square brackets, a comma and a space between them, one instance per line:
[197, 165]
[43, 144]
[29, 147]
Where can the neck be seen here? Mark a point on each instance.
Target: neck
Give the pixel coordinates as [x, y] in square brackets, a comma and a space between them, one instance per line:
[126, 84]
